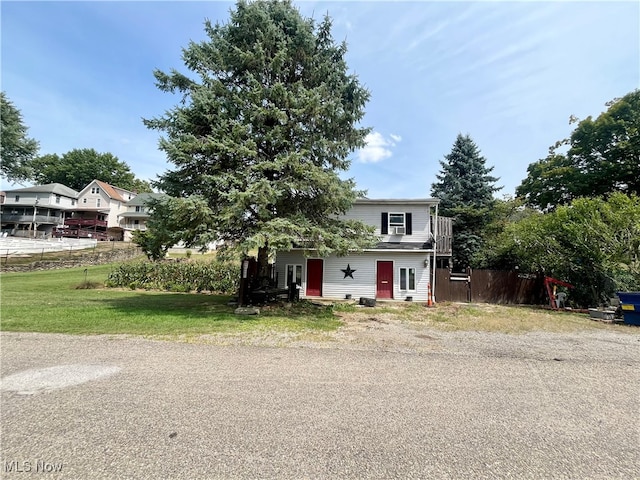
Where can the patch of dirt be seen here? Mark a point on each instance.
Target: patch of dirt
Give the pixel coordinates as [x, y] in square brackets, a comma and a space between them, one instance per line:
[385, 330]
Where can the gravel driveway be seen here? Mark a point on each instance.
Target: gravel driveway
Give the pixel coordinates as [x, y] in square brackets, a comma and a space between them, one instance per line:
[448, 405]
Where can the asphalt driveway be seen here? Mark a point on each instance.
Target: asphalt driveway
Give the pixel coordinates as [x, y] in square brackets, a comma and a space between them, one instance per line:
[473, 406]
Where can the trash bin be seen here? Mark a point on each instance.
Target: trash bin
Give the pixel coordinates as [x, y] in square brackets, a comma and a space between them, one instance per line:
[630, 303]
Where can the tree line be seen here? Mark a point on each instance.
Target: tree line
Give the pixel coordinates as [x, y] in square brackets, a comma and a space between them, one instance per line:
[268, 119]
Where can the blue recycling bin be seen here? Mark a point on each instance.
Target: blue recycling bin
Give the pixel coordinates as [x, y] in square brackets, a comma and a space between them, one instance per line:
[630, 302]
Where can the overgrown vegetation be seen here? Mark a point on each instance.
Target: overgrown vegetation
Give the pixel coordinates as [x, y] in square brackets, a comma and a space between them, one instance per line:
[577, 214]
[593, 243]
[192, 276]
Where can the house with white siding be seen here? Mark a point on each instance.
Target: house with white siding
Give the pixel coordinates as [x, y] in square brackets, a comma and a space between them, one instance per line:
[399, 267]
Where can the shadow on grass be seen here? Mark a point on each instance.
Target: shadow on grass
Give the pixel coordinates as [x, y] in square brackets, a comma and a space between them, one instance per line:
[163, 304]
[199, 309]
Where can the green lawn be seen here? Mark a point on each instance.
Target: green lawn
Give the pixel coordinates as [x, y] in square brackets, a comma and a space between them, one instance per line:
[50, 301]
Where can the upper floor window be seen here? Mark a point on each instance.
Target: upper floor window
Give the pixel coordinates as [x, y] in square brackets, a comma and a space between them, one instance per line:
[84, 200]
[396, 220]
[17, 198]
[98, 202]
[396, 223]
[139, 209]
[73, 202]
[95, 190]
[58, 199]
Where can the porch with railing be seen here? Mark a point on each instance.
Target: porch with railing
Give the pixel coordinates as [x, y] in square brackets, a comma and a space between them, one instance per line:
[85, 222]
[29, 218]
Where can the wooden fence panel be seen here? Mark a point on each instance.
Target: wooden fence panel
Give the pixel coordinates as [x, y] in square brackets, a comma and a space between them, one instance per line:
[490, 286]
[448, 290]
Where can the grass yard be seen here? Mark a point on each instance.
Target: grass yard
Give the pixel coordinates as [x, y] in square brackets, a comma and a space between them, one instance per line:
[52, 302]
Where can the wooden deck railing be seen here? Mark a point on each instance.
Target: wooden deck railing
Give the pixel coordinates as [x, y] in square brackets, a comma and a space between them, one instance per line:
[444, 236]
[85, 222]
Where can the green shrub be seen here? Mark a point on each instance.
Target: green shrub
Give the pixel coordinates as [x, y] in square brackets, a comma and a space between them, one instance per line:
[219, 277]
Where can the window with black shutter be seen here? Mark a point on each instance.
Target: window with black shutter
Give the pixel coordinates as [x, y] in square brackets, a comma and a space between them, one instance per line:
[384, 225]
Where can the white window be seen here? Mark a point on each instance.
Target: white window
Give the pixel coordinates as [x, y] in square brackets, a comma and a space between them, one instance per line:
[98, 202]
[84, 200]
[408, 279]
[139, 209]
[396, 220]
[95, 190]
[294, 274]
[397, 224]
[58, 199]
[17, 198]
[73, 202]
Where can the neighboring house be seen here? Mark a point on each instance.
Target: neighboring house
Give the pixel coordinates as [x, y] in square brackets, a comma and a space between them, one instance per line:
[137, 213]
[37, 211]
[399, 267]
[97, 212]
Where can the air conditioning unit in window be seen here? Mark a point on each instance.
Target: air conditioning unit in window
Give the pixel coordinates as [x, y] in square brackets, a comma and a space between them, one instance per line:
[399, 231]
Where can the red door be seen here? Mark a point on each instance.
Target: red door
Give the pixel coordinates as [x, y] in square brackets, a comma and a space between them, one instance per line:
[314, 277]
[384, 280]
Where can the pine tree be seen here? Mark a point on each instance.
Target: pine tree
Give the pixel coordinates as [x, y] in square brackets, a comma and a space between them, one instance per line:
[262, 134]
[465, 189]
[17, 150]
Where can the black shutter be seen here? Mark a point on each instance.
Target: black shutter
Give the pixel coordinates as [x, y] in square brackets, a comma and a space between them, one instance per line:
[407, 220]
[384, 225]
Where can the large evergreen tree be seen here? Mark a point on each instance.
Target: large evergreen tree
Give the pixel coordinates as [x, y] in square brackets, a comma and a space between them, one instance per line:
[263, 131]
[465, 189]
[17, 150]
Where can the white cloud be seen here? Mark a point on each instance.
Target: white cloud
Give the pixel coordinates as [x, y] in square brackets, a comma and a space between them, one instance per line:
[378, 147]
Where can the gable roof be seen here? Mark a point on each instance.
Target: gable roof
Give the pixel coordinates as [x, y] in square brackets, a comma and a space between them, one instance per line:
[113, 192]
[56, 188]
[109, 190]
[143, 198]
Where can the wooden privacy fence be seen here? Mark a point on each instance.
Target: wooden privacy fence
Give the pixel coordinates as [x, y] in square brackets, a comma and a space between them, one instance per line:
[489, 286]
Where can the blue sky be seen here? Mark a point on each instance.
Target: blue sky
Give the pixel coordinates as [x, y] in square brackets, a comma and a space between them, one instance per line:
[509, 74]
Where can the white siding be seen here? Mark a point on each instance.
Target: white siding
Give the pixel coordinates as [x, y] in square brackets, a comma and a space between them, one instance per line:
[371, 214]
[363, 283]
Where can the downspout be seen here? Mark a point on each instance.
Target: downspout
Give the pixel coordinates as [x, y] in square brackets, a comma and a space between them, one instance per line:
[435, 247]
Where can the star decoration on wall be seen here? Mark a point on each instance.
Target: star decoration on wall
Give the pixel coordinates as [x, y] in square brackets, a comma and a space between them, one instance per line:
[348, 272]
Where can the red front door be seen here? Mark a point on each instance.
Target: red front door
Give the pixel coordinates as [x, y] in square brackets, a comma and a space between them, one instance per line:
[314, 277]
[384, 280]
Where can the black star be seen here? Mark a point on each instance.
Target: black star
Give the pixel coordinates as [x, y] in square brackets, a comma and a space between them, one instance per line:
[348, 272]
